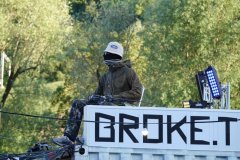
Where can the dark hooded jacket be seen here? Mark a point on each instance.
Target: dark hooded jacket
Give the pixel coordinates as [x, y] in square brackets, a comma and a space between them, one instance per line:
[121, 81]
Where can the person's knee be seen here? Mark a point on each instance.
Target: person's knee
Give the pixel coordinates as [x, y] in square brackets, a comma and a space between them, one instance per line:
[75, 102]
[78, 104]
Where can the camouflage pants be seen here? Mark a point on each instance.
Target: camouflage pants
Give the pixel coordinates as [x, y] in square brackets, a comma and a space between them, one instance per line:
[74, 119]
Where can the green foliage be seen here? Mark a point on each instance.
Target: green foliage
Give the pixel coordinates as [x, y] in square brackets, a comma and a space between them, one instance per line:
[35, 31]
[32, 33]
[32, 97]
[184, 37]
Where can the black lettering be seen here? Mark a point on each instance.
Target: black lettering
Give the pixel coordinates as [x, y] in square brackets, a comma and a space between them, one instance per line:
[160, 128]
[194, 129]
[227, 121]
[111, 127]
[176, 127]
[127, 126]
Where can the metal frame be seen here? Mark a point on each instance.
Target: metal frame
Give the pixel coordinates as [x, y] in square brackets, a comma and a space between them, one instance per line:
[4, 58]
[224, 100]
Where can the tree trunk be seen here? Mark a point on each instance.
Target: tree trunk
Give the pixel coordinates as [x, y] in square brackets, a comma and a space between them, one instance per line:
[9, 86]
[10, 82]
[13, 76]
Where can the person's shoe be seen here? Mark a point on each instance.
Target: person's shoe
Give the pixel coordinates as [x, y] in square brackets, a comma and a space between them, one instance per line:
[62, 141]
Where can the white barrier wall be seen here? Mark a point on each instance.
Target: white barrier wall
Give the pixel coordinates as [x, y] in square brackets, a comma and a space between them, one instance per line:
[113, 132]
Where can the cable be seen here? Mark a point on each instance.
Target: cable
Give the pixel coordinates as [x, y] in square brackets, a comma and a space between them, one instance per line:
[33, 116]
[91, 121]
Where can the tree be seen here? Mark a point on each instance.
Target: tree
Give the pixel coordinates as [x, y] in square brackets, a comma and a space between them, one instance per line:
[32, 34]
[184, 37]
[31, 31]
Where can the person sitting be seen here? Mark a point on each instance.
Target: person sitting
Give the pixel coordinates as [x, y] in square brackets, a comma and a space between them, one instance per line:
[120, 86]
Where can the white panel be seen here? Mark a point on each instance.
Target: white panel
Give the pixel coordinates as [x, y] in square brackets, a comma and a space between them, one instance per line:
[187, 129]
[187, 141]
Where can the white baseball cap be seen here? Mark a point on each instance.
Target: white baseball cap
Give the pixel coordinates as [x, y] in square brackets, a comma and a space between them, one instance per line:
[114, 48]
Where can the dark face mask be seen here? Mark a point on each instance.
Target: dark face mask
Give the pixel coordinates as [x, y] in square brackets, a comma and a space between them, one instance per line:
[111, 57]
[111, 63]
